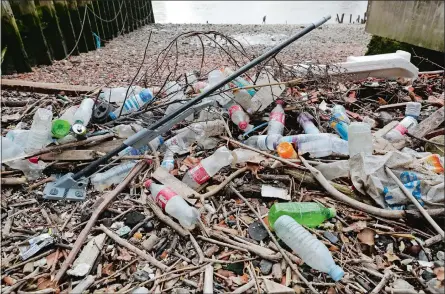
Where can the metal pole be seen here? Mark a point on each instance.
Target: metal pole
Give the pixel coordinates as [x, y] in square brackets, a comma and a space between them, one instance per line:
[143, 133]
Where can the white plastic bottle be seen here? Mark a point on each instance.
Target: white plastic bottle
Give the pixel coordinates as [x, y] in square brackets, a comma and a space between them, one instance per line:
[174, 91]
[40, 132]
[360, 139]
[238, 116]
[68, 114]
[118, 94]
[276, 119]
[114, 175]
[84, 112]
[208, 167]
[264, 142]
[153, 145]
[323, 147]
[305, 121]
[312, 251]
[241, 155]
[243, 98]
[177, 144]
[133, 103]
[412, 112]
[173, 204]
[303, 138]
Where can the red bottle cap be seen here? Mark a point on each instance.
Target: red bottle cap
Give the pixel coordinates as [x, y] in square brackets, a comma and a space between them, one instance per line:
[148, 183]
[34, 159]
[242, 125]
[279, 102]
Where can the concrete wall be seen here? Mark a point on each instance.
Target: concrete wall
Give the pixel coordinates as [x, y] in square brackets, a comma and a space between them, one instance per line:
[419, 23]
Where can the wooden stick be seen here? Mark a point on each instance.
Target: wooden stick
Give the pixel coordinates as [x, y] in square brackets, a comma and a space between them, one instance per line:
[14, 181]
[382, 282]
[198, 249]
[102, 204]
[244, 287]
[208, 280]
[433, 240]
[133, 248]
[415, 202]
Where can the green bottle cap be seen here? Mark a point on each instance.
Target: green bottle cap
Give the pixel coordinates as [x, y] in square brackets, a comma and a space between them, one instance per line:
[331, 212]
[60, 128]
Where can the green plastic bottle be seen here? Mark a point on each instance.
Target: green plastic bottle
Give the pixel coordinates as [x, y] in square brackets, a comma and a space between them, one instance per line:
[310, 214]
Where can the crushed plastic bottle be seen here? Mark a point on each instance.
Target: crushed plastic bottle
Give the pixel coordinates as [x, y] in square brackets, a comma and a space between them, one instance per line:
[371, 122]
[305, 121]
[243, 98]
[312, 251]
[117, 95]
[339, 121]
[264, 142]
[133, 103]
[360, 139]
[208, 167]
[310, 214]
[175, 93]
[239, 81]
[412, 112]
[324, 146]
[40, 132]
[173, 204]
[276, 119]
[114, 175]
[126, 131]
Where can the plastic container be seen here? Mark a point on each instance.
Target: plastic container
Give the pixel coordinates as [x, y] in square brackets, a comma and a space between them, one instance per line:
[153, 145]
[114, 175]
[173, 204]
[276, 119]
[60, 128]
[312, 251]
[413, 109]
[302, 138]
[238, 116]
[398, 133]
[133, 103]
[264, 142]
[40, 132]
[84, 112]
[286, 150]
[360, 139]
[305, 121]
[243, 98]
[207, 168]
[310, 214]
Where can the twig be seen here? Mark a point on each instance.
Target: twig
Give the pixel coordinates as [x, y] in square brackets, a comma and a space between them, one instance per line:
[223, 244]
[382, 282]
[13, 181]
[39, 183]
[197, 248]
[102, 204]
[425, 140]
[244, 287]
[433, 240]
[415, 202]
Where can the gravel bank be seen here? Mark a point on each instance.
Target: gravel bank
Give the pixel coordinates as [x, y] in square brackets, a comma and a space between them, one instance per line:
[117, 62]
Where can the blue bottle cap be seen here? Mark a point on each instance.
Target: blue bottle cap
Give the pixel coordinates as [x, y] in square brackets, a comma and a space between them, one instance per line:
[161, 140]
[336, 273]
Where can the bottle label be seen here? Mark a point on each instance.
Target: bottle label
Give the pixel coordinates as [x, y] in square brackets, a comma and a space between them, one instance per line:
[261, 143]
[277, 116]
[199, 174]
[164, 196]
[233, 109]
[401, 129]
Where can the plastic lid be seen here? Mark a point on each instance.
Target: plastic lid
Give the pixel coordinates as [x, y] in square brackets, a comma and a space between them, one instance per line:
[242, 125]
[336, 273]
[146, 95]
[60, 128]
[331, 212]
[286, 150]
[34, 159]
[148, 183]
[279, 102]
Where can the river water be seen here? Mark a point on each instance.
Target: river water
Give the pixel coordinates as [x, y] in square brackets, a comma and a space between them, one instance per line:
[252, 12]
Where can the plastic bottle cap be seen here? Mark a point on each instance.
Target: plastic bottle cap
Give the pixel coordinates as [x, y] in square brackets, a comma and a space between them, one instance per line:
[286, 150]
[148, 183]
[279, 102]
[60, 128]
[336, 273]
[34, 159]
[242, 125]
[332, 212]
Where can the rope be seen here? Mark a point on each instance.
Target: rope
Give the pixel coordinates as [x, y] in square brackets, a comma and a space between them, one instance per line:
[106, 20]
[80, 35]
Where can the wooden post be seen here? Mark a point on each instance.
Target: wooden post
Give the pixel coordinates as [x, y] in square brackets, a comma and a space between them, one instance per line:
[112, 13]
[103, 8]
[79, 30]
[118, 7]
[150, 10]
[66, 26]
[51, 29]
[87, 29]
[139, 7]
[100, 23]
[131, 21]
[31, 32]
[93, 21]
[350, 18]
[16, 55]
[144, 8]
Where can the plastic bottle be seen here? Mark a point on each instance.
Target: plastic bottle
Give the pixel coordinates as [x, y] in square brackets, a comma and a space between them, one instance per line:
[371, 122]
[339, 121]
[118, 94]
[310, 214]
[68, 114]
[114, 175]
[340, 112]
[264, 142]
[239, 81]
[276, 119]
[412, 112]
[413, 109]
[241, 155]
[175, 145]
[310, 249]
[153, 145]
[207, 168]
[173, 204]
[40, 132]
[325, 146]
[243, 98]
[60, 128]
[238, 116]
[84, 112]
[305, 121]
[360, 139]
[133, 103]
[175, 93]
[286, 150]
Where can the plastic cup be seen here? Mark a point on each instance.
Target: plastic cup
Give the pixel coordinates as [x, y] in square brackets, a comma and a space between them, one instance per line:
[60, 128]
[286, 150]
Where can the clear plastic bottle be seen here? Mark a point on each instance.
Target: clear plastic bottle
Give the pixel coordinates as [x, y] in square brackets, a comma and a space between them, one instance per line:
[264, 142]
[326, 146]
[153, 145]
[177, 144]
[238, 116]
[133, 103]
[360, 139]
[276, 119]
[398, 133]
[339, 121]
[312, 251]
[173, 204]
[413, 109]
[208, 167]
[117, 95]
[341, 114]
[40, 132]
[68, 114]
[114, 175]
[243, 98]
[175, 93]
[305, 121]
[239, 81]
[310, 214]
[303, 138]
[84, 112]
[241, 155]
